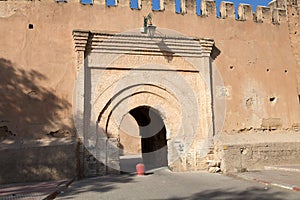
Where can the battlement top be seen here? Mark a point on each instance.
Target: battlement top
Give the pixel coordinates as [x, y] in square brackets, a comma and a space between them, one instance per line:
[274, 13]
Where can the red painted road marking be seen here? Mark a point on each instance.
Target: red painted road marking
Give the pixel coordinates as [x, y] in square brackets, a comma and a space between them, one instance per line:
[296, 188]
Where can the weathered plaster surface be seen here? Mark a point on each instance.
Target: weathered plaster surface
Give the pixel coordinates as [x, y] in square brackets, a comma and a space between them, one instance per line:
[258, 62]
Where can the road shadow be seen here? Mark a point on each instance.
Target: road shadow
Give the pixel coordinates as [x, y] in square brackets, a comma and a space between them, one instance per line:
[94, 187]
[252, 193]
[97, 184]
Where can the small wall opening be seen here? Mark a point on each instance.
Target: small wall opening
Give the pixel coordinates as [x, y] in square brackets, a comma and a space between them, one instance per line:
[272, 99]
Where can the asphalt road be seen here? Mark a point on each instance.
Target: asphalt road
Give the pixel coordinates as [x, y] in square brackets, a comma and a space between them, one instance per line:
[163, 184]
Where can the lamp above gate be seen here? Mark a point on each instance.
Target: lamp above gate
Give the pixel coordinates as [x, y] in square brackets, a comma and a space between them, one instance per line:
[148, 27]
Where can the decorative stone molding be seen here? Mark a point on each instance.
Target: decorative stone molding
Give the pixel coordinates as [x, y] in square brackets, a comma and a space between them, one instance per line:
[80, 38]
[102, 53]
[206, 46]
[119, 43]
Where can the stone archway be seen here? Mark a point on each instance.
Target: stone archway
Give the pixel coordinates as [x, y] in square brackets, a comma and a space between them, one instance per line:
[156, 73]
[143, 139]
[153, 137]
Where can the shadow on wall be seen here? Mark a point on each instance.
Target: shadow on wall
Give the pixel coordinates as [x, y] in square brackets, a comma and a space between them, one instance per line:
[166, 51]
[28, 110]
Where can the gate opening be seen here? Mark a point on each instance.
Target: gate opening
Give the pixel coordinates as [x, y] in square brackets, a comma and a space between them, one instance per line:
[152, 131]
[143, 139]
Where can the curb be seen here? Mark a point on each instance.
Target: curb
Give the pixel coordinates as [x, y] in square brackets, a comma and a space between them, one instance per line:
[288, 187]
[261, 181]
[61, 189]
[282, 168]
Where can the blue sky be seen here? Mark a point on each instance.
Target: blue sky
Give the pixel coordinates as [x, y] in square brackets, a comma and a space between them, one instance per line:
[254, 3]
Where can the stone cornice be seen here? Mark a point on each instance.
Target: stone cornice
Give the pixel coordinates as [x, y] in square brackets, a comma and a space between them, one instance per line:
[80, 39]
[140, 44]
[206, 46]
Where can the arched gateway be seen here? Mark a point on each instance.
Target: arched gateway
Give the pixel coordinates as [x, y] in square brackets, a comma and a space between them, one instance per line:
[165, 83]
[152, 136]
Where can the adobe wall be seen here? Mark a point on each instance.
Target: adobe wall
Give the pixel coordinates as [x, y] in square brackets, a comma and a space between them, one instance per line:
[258, 60]
[38, 160]
[250, 48]
[294, 28]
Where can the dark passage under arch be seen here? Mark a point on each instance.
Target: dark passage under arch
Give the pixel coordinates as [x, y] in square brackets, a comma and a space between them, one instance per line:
[153, 135]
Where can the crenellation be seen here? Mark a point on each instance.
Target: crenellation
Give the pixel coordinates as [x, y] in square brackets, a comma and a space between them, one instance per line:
[162, 5]
[169, 5]
[190, 6]
[245, 12]
[227, 10]
[263, 14]
[277, 4]
[125, 3]
[281, 4]
[278, 11]
[278, 16]
[272, 5]
[99, 2]
[208, 8]
[183, 6]
[139, 4]
[274, 13]
[146, 4]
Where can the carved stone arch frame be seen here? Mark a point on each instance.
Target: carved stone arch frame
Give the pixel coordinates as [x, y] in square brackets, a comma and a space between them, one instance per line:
[95, 103]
